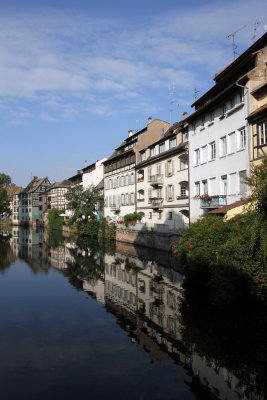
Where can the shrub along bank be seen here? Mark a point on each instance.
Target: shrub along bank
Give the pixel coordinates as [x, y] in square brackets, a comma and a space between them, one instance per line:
[227, 258]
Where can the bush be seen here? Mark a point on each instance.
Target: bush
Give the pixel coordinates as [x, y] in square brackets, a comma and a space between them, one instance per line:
[224, 255]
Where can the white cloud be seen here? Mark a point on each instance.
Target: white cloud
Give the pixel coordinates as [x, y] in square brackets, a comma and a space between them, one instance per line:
[65, 62]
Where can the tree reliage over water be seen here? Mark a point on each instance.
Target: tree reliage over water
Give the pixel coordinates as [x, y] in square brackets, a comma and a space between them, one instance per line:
[193, 350]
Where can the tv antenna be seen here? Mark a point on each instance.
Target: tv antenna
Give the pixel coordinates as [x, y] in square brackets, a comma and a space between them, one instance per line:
[232, 36]
[137, 125]
[196, 93]
[171, 91]
[256, 24]
[178, 110]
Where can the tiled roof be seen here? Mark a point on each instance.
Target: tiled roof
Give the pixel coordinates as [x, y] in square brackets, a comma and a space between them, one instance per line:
[223, 210]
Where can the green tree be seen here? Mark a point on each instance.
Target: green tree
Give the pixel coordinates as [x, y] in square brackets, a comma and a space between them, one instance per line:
[5, 181]
[82, 202]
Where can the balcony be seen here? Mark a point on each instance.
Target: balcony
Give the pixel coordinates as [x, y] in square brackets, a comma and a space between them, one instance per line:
[156, 180]
[157, 203]
[213, 201]
[115, 207]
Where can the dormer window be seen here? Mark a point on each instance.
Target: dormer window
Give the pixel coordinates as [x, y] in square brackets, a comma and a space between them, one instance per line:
[162, 147]
[143, 155]
[172, 143]
[152, 151]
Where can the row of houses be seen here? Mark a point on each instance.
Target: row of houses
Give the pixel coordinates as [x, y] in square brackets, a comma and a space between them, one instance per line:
[174, 174]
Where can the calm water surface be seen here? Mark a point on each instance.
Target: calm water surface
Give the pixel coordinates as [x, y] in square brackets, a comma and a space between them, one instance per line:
[83, 322]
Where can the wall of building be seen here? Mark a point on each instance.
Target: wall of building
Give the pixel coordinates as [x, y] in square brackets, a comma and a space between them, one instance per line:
[94, 177]
[226, 124]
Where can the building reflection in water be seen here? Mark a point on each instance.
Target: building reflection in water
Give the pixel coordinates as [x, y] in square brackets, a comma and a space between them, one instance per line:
[140, 288]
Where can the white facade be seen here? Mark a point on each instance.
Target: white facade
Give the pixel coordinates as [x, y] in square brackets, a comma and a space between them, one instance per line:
[95, 176]
[119, 189]
[162, 183]
[219, 153]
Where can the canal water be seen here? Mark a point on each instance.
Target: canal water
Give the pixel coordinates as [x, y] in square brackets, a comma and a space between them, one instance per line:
[84, 321]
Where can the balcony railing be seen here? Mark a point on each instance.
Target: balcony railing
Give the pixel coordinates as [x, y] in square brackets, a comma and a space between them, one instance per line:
[213, 202]
[157, 203]
[156, 180]
[115, 207]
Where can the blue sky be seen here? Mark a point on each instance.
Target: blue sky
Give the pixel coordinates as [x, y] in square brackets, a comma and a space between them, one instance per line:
[75, 76]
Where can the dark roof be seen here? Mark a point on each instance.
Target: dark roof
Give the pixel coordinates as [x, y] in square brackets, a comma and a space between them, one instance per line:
[118, 154]
[261, 111]
[34, 184]
[233, 72]
[62, 184]
[167, 153]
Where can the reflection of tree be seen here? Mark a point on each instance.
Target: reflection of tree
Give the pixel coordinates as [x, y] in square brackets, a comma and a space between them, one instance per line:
[233, 339]
[84, 266]
[5, 256]
[54, 239]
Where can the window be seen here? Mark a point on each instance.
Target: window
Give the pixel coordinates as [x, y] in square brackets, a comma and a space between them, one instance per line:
[123, 180]
[185, 136]
[232, 102]
[242, 138]
[128, 179]
[231, 142]
[170, 215]
[172, 143]
[160, 215]
[262, 132]
[183, 162]
[143, 155]
[211, 116]
[212, 186]
[224, 185]
[169, 168]
[162, 147]
[122, 199]
[212, 148]
[203, 155]
[242, 182]
[152, 151]
[170, 192]
[132, 198]
[223, 146]
[149, 194]
[150, 215]
[132, 178]
[127, 199]
[183, 190]
[197, 188]
[232, 183]
[197, 157]
[158, 169]
[205, 189]
[118, 181]
[149, 173]
[224, 109]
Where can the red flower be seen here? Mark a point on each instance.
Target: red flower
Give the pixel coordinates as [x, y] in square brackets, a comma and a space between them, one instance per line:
[261, 280]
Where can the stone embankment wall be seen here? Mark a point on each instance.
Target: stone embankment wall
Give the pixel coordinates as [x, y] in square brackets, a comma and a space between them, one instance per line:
[154, 240]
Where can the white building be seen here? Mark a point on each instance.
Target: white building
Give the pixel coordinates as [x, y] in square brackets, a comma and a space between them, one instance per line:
[219, 142]
[119, 170]
[162, 181]
[93, 174]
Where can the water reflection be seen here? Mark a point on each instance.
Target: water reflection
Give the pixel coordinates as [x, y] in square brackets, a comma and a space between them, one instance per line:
[144, 290]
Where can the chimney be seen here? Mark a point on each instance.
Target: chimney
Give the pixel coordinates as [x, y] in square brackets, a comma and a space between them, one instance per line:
[185, 115]
[130, 132]
[149, 120]
[35, 178]
[85, 163]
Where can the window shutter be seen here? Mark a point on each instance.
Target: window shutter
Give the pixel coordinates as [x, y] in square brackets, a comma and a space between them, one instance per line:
[172, 167]
[166, 193]
[166, 169]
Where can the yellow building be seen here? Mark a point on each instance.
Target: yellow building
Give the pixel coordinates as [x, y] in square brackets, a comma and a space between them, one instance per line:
[258, 103]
